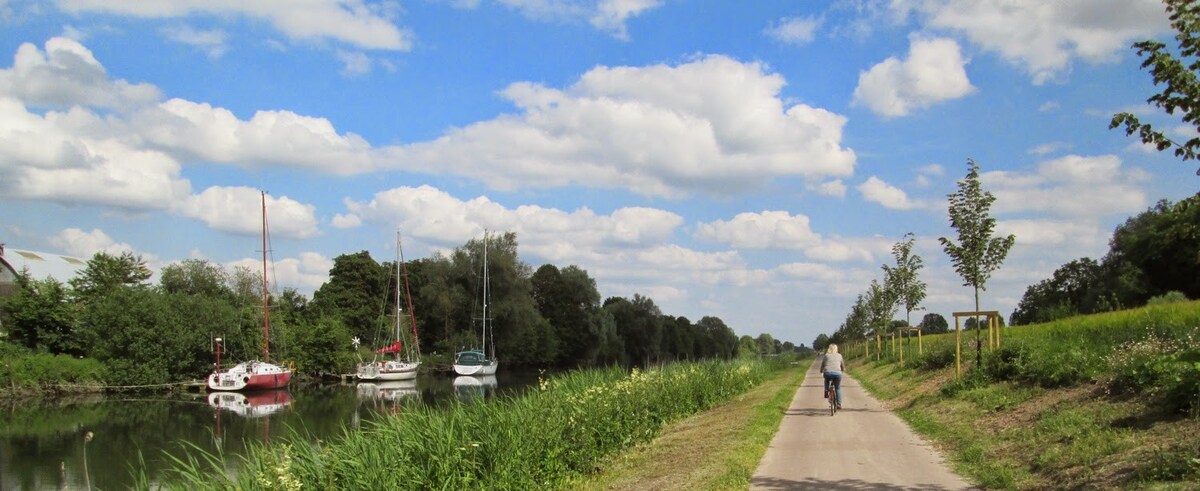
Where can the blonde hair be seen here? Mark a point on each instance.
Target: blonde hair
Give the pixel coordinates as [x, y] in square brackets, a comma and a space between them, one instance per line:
[832, 348]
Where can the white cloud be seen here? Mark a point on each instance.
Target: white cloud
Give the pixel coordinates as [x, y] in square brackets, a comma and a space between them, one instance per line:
[67, 74]
[1071, 186]
[835, 188]
[237, 210]
[213, 41]
[1043, 37]
[305, 273]
[356, 22]
[435, 216]
[611, 15]
[1048, 148]
[794, 30]
[354, 63]
[876, 190]
[607, 15]
[1053, 233]
[348, 220]
[78, 243]
[766, 230]
[934, 72]
[283, 138]
[1048, 106]
[714, 125]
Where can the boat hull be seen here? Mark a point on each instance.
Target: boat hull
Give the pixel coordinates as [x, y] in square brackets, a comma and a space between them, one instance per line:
[388, 372]
[250, 376]
[489, 369]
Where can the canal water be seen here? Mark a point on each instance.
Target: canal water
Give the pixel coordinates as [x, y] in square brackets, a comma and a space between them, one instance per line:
[99, 441]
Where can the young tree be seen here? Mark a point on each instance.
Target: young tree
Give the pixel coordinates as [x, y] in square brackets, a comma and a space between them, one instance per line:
[902, 277]
[977, 254]
[1182, 91]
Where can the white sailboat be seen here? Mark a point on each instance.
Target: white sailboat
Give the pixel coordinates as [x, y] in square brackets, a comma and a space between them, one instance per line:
[481, 361]
[407, 359]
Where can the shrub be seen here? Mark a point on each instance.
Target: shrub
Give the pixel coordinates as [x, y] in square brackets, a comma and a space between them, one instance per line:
[1172, 296]
[938, 356]
[1162, 368]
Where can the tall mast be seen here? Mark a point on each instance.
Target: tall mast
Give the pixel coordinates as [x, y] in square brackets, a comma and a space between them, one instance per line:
[266, 311]
[398, 259]
[486, 297]
[412, 317]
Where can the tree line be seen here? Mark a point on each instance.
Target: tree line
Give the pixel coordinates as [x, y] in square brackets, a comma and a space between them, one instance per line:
[152, 333]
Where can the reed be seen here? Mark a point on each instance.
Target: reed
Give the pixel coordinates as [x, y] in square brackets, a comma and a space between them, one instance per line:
[536, 441]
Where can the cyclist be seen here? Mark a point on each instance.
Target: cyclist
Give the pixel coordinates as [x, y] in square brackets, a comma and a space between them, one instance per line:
[832, 366]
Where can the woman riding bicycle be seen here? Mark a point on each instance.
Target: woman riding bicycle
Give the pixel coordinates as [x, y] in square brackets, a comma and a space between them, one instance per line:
[832, 366]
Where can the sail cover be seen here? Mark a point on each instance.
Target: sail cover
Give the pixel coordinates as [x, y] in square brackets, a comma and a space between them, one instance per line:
[394, 348]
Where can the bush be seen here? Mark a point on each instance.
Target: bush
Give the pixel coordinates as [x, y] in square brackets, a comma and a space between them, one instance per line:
[1167, 370]
[938, 356]
[1172, 296]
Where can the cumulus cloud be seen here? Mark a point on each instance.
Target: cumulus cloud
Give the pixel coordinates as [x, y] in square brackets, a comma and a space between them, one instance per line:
[835, 188]
[766, 230]
[714, 125]
[354, 63]
[235, 209]
[356, 22]
[1048, 148]
[934, 72]
[1072, 186]
[435, 216]
[83, 244]
[66, 74]
[1050, 232]
[782, 230]
[1043, 37]
[794, 30]
[876, 190]
[307, 272]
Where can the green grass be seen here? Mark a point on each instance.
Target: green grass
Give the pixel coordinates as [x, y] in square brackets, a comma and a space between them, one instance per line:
[1087, 402]
[541, 440]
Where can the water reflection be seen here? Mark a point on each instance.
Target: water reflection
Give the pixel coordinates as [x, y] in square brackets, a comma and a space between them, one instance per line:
[251, 405]
[42, 442]
[474, 388]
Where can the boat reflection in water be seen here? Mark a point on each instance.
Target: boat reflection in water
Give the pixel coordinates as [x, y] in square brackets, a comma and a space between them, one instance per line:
[392, 390]
[251, 404]
[474, 388]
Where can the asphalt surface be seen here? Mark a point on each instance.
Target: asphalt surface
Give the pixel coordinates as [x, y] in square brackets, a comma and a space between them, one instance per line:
[862, 447]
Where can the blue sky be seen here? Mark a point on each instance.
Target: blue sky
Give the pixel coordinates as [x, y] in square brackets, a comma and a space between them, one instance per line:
[750, 160]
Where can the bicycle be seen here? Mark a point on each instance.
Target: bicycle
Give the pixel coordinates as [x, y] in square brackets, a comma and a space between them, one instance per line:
[831, 394]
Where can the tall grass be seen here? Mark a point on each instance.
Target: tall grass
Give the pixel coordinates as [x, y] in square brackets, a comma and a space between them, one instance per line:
[1152, 350]
[22, 370]
[536, 441]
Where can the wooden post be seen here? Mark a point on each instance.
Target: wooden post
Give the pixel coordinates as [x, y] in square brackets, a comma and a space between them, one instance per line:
[997, 333]
[902, 348]
[920, 347]
[957, 349]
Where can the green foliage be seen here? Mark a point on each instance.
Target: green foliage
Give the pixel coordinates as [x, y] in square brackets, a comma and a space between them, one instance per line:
[582, 418]
[196, 277]
[934, 324]
[41, 317]
[1166, 369]
[1181, 93]
[903, 279]
[22, 369]
[320, 347]
[146, 337]
[976, 254]
[353, 294]
[1169, 297]
[106, 271]
[935, 357]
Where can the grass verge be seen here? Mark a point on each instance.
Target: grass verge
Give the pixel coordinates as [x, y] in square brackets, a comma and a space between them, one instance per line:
[717, 449]
[1007, 435]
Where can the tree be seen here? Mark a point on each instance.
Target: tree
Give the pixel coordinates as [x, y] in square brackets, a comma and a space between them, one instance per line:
[40, 316]
[934, 324]
[821, 342]
[567, 299]
[195, 277]
[353, 294]
[1071, 290]
[879, 304]
[1182, 91]
[105, 271]
[747, 347]
[902, 278]
[977, 254]
[766, 344]
[1161, 244]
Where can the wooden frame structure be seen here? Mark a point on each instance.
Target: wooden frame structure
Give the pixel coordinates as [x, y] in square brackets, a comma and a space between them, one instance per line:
[993, 335]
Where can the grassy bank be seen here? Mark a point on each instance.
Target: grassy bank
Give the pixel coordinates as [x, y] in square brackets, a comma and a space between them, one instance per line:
[1102, 401]
[25, 373]
[543, 440]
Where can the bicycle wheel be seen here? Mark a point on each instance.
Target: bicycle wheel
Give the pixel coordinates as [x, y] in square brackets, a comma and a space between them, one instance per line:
[832, 401]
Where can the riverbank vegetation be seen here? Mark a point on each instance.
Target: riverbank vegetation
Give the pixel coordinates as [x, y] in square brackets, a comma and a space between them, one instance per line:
[1108, 400]
[122, 330]
[567, 428]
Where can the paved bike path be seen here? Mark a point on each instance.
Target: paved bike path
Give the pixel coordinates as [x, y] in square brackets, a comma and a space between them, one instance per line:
[862, 447]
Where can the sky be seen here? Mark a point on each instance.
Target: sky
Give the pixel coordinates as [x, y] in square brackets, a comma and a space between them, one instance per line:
[754, 161]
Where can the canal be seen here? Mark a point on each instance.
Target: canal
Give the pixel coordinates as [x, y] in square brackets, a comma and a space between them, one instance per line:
[100, 441]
